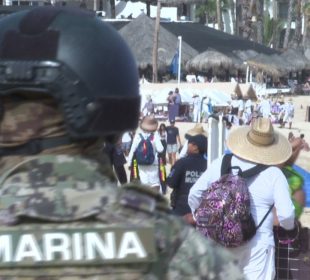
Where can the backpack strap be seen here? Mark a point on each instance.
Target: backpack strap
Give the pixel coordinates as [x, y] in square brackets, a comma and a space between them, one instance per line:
[141, 136]
[226, 164]
[253, 171]
[264, 218]
[226, 168]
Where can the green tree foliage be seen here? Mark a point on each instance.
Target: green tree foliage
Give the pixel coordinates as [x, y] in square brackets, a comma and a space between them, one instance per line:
[272, 28]
[206, 12]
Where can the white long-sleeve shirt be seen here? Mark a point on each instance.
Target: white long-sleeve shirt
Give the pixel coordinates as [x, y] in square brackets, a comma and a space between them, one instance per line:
[267, 188]
[157, 145]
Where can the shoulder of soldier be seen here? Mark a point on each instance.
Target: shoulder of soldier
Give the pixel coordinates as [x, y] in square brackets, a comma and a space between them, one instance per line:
[143, 198]
[207, 260]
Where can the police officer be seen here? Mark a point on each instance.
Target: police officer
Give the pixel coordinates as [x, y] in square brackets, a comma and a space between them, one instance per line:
[60, 211]
[185, 173]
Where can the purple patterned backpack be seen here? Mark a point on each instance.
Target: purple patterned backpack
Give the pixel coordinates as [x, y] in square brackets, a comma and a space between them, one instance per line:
[224, 212]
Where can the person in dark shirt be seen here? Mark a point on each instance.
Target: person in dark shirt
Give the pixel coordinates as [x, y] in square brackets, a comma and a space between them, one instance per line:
[117, 159]
[173, 139]
[185, 172]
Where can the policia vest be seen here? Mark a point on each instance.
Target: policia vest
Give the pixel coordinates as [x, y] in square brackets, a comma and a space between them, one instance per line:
[61, 219]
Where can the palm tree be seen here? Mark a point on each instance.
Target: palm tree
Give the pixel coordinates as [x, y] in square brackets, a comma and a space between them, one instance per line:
[207, 11]
[260, 21]
[245, 23]
[298, 25]
[272, 29]
[289, 23]
[219, 14]
[155, 44]
[306, 36]
[212, 10]
[233, 15]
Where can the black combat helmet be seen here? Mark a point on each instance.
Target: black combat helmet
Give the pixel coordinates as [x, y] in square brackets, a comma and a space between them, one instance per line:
[78, 60]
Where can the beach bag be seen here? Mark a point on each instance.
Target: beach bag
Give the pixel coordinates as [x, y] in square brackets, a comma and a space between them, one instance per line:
[145, 152]
[224, 212]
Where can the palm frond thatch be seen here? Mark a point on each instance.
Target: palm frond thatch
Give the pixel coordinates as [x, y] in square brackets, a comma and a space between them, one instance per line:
[296, 59]
[212, 59]
[269, 64]
[244, 55]
[139, 35]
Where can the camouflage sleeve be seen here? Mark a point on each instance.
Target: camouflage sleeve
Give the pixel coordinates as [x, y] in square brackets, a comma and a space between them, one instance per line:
[198, 258]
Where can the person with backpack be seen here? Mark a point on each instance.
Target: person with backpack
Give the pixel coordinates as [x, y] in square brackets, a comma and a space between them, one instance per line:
[232, 201]
[145, 147]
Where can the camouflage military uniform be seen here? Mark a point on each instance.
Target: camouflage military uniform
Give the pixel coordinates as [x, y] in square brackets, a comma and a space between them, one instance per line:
[56, 194]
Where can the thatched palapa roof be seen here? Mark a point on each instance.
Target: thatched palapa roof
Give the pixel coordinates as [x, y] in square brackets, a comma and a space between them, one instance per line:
[212, 59]
[295, 59]
[271, 64]
[244, 55]
[139, 35]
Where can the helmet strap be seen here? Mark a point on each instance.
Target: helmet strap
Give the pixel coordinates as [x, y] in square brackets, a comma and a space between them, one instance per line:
[36, 146]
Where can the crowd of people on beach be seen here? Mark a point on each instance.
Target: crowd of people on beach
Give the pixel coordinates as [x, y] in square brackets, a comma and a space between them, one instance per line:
[189, 176]
[238, 111]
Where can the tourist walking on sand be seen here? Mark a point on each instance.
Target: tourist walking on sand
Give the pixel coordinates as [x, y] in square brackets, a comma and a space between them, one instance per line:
[171, 106]
[248, 110]
[173, 139]
[148, 172]
[177, 101]
[252, 145]
[265, 107]
[288, 113]
[196, 103]
[149, 107]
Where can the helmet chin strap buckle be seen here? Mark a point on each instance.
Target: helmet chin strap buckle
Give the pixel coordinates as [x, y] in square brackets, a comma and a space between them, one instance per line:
[19, 71]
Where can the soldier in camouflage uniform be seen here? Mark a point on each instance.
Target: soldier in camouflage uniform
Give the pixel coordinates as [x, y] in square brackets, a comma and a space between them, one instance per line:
[61, 214]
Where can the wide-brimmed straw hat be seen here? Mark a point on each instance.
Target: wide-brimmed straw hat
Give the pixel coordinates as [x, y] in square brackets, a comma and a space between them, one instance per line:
[149, 124]
[259, 143]
[197, 129]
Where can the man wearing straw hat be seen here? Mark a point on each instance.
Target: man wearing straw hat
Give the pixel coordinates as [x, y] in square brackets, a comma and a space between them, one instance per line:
[251, 145]
[61, 213]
